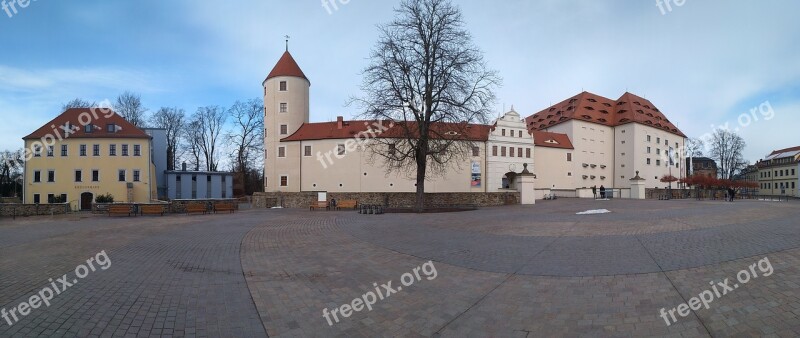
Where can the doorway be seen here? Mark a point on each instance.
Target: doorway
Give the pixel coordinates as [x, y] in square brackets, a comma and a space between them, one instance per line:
[86, 201]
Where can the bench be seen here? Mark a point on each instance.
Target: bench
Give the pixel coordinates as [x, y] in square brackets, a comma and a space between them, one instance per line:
[151, 210]
[320, 205]
[120, 210]
[224, 207]
[196, 209]
[347, 204]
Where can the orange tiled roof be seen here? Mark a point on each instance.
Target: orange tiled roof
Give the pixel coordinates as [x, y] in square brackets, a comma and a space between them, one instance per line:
[629, 108]
[787, 150]
[286, 66]
[551, 140]
[350, 129]
[77, 115]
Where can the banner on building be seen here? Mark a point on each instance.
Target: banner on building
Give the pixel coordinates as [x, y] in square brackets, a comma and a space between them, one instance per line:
[476, 174]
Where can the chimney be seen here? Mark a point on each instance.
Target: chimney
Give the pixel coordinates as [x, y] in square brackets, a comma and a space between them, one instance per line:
[340, 122]
[183, 166]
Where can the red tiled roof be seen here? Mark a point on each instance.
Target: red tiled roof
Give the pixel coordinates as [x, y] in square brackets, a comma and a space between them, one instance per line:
[551, 140]
[776, 152]
[77, 115]
[589, 107]
[286, 66]
[350, 129]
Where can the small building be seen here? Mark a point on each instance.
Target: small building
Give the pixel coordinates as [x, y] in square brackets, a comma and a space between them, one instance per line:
[778, 173]
[193, 185]
[701, 166]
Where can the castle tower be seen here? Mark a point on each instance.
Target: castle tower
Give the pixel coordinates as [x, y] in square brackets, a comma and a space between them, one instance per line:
[286, 108]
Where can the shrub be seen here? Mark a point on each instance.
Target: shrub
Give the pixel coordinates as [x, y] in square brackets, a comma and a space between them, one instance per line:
[104, 199]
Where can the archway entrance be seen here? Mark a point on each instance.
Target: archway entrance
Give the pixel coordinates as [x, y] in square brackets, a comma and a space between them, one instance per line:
[509, 181]
[86, 201]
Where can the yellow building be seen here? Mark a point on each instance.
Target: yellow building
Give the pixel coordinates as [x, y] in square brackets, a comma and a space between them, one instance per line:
[87, 152]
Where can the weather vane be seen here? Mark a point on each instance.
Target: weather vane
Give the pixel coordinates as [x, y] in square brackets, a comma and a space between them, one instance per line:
[287, 42]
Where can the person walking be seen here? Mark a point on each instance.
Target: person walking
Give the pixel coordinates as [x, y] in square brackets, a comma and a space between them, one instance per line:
[602, 192]
[594, 191]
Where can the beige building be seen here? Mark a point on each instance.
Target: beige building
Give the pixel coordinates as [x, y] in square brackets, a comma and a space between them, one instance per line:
[84, 153]
[778, 173]
[582, 142]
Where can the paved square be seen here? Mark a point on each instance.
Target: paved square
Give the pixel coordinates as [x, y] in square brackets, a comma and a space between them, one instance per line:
[519, 271]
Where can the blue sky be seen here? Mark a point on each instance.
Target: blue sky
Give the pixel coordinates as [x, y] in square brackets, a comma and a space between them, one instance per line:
[703, 63]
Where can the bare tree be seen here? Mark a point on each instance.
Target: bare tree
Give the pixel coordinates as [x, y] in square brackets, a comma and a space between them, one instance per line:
[11, 165]
[191, 135]
[427, 74]
[694, 148]
[172, 119]
[726, 148]
[210, 121]
[129, 106]
[247, 138]
[78, 103]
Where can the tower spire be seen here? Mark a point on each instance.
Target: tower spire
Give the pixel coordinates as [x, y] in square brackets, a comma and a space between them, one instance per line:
[287, 42]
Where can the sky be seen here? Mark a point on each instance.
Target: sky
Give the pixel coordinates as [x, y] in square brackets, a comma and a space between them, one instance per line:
[703, 63]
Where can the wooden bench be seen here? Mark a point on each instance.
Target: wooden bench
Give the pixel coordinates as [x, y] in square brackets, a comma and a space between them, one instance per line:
[320, 205]
[224, 207]
[120, 210]
[151, 210]
[347, 204]
[196, 209]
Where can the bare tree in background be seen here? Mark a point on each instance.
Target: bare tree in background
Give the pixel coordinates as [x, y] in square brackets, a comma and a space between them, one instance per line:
[11, 165]
[172, 119]
[247, 138]
[427, 74]
[191, 135]
[727, 148]
[129, 106]
[78, 103]
[210, 121]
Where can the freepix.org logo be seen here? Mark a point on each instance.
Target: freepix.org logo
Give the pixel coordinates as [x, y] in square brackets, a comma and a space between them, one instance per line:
[13, 7]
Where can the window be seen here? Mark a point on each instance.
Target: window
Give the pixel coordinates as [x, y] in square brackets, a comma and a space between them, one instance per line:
[392, 149]
[112, 150]
[50, 151]
[37, 198]
[476, 151]
[520, 133]
[658, 162]
[283, 86]
[623, 142]
[137, 150]
[648, 161]
[51, 198]
[124, 150]
[284, 181]
[284, 129]
[37, 151]
[111, 128]
[64, 150]
[88, 129]
[528, 153]
[494, 150]
[649, 138]
[137, 176]
[503, 151]
[504, 132]
[666, 142]
[51, 176]
[519, 152]
[340, 149]
[569, 157]
[793, 172]
[658, 140]
[37, 176]
[649, 150]
[78, 176]
[281, 152]
[658, 151]
[307, 151]
[95, 175]
[96, 150]
[121, 176]
[83, 150]
[284, 107]
[511, 151]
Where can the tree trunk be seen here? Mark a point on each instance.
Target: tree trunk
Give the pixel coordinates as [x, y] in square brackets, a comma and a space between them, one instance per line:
[422, 166]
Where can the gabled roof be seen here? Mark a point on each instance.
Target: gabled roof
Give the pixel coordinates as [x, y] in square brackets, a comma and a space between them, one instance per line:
[787, 151]
[100, 118]
[551, 140]
[350, 129]
[287, 66]
[629, 108]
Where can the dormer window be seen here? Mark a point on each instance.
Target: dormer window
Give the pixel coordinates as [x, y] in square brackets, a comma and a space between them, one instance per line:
[89, 128]
[111, 128]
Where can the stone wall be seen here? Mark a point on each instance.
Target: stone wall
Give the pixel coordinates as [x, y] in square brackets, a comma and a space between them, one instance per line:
[174, 206]
[9, 210]
[391, 200]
